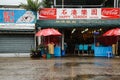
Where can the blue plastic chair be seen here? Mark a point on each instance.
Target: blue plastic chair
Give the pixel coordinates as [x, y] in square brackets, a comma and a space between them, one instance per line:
[85, 47]
[80, 48]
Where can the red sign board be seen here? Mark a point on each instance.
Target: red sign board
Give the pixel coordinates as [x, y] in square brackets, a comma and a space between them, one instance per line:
[47, 13]
[75, 13]
[110, 13]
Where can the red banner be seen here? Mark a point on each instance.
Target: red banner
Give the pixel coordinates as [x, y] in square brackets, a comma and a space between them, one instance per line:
[47, 13]
[110, 13]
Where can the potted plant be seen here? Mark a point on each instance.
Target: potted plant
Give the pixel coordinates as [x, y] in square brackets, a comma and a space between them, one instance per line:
[43, 50]
[32, 52]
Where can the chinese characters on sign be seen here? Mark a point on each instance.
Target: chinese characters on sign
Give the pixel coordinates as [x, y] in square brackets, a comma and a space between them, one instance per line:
[17, 16]
[8, 16]
[79, 13]
[94, 13]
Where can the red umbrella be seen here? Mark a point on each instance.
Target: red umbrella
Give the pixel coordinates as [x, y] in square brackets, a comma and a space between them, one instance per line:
[112, 32]
[48, 32]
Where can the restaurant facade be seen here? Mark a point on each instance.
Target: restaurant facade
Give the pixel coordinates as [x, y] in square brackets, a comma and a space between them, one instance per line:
[68, 20]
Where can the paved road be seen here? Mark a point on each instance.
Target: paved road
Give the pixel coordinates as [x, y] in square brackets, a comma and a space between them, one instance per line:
[76, 68]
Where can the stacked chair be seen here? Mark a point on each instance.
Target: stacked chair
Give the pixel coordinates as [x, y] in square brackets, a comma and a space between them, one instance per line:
[84, 49]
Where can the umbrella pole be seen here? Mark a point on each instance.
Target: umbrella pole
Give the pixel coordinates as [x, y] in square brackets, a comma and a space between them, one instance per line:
[117, 45]
[48, 39]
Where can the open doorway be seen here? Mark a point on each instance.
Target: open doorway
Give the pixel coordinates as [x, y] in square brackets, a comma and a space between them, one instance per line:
[74, 37]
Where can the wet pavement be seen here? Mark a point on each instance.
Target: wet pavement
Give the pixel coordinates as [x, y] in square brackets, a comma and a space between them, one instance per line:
[67, 68]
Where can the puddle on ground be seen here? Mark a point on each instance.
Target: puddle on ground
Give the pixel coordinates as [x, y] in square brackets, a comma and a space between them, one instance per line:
[79, 77]
[85, 63]
[69, 64]
[93, 77]
[101, 64]
[59, 65]
[80, 63]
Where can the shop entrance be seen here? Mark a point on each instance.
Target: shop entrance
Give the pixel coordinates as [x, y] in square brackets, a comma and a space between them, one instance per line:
[80, 41]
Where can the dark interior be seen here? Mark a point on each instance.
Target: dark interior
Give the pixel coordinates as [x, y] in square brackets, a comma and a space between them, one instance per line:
[73, 36]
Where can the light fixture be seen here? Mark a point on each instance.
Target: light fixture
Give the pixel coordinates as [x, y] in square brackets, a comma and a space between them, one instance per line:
[82, 32]
[86, 29]
[73, 30]
[100, 29]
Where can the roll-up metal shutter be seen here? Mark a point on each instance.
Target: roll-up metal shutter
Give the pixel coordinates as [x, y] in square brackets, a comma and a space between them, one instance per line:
[16, 43]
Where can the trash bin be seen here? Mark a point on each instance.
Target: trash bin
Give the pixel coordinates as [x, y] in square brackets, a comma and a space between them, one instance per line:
[57, 51]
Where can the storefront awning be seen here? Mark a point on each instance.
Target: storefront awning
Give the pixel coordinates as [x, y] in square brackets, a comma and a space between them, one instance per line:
[78, 23]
